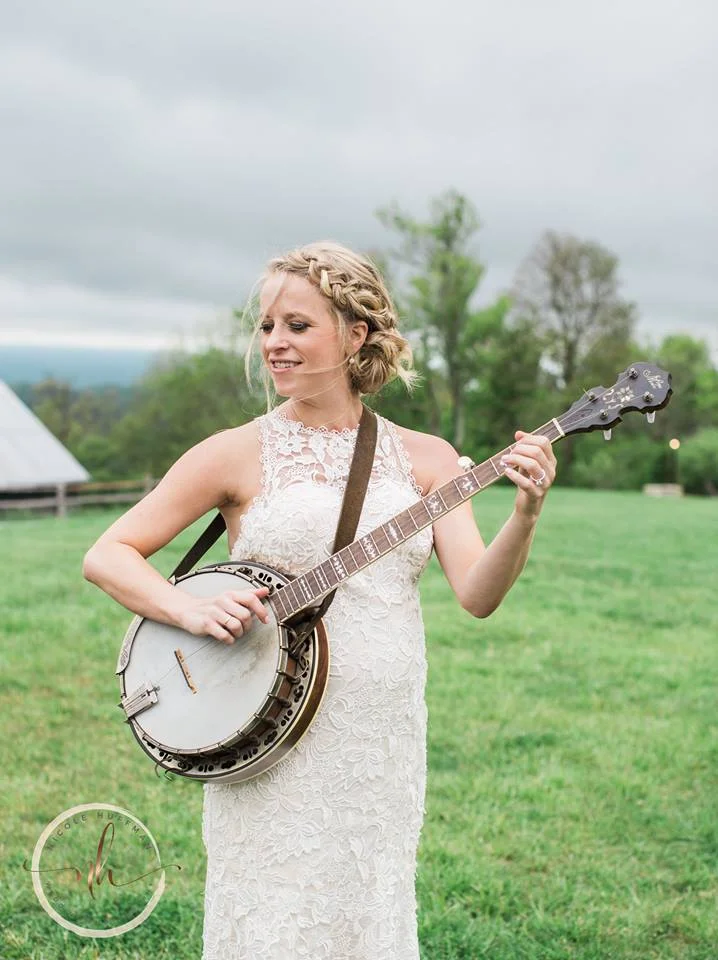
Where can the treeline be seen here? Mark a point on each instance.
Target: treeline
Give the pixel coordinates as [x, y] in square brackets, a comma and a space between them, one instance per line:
[563, 328]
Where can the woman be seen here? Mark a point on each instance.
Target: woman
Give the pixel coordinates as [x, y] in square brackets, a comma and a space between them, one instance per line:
[316, 857]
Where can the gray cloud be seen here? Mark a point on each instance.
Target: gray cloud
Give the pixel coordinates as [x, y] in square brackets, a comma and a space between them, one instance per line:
[157, 153]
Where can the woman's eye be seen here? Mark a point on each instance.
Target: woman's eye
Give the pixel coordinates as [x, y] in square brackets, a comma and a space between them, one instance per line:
[297, 326]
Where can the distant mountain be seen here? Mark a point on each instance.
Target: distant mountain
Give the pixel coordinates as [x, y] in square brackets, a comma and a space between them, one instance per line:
[80, 367]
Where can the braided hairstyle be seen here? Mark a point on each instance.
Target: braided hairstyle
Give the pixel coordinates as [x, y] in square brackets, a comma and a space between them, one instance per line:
[356, 291]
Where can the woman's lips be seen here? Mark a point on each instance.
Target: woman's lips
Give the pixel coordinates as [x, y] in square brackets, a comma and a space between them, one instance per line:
[280, 366]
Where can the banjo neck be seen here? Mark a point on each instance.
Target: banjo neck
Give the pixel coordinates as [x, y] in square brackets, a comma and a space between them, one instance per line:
[642, 387]
[308, 589]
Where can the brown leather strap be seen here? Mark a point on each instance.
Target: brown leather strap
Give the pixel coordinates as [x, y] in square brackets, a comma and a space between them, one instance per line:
[209, 536]
[354, 492]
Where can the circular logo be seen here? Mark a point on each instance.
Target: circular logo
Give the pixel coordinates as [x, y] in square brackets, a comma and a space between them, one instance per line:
[96, 870]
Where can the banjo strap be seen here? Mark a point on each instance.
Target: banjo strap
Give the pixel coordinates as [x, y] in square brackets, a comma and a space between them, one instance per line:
[354, 492]
[352, 502]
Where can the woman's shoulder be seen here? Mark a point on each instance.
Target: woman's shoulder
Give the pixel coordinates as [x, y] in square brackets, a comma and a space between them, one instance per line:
[431, 456]
[233, 457]
[230, 441]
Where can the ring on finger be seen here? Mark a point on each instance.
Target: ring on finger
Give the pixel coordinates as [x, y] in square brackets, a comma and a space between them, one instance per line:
[226, 622]
[539, 480]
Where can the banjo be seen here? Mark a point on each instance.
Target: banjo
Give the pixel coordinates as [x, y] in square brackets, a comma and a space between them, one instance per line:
[219, 713]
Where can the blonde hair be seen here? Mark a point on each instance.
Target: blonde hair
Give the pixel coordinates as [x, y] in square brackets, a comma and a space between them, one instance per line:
[356, 290]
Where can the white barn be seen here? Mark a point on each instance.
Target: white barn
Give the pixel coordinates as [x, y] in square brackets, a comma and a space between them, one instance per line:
[31, 457]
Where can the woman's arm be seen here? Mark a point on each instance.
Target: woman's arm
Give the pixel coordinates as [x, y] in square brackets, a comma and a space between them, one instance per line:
[197, 482]
[481, 576]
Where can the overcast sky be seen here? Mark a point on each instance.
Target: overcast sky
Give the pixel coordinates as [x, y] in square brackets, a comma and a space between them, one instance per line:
[156, 153]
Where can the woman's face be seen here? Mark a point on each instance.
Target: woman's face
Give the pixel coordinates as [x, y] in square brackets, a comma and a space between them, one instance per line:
[299, 337]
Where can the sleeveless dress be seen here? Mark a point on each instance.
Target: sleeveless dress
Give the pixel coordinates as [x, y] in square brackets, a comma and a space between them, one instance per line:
[316, 857]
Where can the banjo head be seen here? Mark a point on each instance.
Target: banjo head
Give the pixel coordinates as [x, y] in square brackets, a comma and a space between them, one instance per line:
[207, 694]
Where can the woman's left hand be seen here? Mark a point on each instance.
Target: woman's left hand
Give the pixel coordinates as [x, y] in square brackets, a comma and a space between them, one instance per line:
[533, 456]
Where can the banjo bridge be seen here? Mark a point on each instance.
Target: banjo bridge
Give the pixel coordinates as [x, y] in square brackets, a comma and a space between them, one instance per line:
[185, 670]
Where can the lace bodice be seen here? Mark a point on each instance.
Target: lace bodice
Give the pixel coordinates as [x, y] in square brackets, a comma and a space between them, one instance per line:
[304, 473]
[315, 858]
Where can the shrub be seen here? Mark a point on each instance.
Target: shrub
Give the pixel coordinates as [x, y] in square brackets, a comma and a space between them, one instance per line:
[698, 462]
[625, 463]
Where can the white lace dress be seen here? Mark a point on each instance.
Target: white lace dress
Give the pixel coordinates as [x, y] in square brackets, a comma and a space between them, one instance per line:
[316, 858]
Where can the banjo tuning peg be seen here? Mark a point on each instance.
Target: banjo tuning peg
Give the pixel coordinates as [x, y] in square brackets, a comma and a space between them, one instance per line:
[651, 416]
[606, 434]
[465, 463]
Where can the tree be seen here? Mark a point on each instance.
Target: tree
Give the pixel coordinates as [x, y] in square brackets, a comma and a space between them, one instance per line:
[698, 462]
[695, 385]
[510, 388]
[96, 411]
[444, 277]
[83, 421]
[569, 289]
[180, 402]
[52, 402]
[412, 409]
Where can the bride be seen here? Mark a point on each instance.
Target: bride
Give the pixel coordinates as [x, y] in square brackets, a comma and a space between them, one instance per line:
[316, 857]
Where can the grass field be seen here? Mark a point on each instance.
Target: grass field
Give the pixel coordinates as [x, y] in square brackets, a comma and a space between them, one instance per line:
[572, 807]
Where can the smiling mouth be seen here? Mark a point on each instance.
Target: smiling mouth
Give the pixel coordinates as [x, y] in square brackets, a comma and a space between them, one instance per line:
[283, 364]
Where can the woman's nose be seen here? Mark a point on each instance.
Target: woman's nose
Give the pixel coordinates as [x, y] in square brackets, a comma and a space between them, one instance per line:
[275, 338]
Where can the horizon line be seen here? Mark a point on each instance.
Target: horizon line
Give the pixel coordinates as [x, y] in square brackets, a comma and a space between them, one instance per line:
[60, 341]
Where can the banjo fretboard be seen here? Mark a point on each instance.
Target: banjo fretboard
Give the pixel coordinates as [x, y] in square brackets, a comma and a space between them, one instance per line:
[308, 589]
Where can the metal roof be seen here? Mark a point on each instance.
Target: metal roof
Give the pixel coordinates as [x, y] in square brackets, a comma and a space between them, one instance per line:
[30, 455]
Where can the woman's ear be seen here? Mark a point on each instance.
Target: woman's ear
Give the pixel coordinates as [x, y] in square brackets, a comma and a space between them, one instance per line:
[357, 334]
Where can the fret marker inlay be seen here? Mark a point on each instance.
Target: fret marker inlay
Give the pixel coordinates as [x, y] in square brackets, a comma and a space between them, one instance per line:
[468, 483]
[368, 547]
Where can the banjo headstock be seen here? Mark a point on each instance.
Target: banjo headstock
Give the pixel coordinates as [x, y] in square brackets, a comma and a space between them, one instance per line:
[642, 387]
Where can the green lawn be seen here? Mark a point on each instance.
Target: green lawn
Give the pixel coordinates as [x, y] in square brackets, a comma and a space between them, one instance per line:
[572, 808]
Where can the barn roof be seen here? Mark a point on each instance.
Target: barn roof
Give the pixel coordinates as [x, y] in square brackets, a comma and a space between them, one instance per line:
[30, 456]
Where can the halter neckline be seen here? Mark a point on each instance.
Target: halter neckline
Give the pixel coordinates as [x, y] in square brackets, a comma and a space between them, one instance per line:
[325, 431]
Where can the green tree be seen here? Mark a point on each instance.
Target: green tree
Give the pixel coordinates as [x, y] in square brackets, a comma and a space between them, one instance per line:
[443, 277]
[695, 386]
[52, 402]
[509, 390]
[411, 409]
[101, 457]
[698, 462]
[82, 421]
[631, 459]
[179, 402]
[96, 409]
[569, 289]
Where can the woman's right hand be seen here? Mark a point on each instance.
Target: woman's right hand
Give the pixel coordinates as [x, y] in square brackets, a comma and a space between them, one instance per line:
[225, 616]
